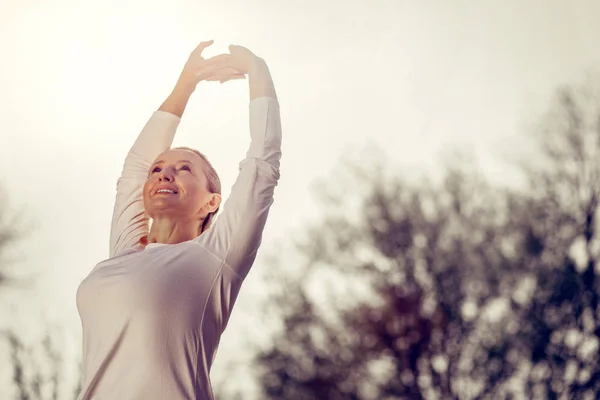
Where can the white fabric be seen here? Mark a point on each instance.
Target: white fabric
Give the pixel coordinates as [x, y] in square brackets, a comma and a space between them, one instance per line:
[152, 317]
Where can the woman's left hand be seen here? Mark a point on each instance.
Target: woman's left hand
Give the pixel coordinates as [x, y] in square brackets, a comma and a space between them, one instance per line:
[236, 65]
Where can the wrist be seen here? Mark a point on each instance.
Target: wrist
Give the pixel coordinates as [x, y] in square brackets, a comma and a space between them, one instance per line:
[177, 101]
[184, 85]
[257, 65]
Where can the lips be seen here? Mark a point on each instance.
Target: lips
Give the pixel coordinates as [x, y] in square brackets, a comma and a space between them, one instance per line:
[165, 189]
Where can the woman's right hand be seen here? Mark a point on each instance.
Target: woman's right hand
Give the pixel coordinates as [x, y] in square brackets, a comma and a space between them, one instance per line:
[242, 59]
[218, 68]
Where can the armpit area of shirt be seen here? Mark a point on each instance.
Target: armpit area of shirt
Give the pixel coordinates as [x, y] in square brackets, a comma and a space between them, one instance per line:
[220, 258]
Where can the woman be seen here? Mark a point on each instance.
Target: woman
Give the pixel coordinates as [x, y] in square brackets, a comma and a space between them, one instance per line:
[153, 313]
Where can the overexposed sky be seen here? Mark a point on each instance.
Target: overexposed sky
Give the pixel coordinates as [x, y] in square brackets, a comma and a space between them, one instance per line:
[79, 79]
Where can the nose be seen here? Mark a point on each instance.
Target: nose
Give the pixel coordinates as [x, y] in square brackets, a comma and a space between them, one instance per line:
[165, 175]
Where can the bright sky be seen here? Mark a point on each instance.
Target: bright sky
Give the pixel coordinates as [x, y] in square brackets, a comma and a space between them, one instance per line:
[78, 80]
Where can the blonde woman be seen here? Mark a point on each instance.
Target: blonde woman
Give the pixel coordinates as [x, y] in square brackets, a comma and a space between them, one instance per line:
[153, 313]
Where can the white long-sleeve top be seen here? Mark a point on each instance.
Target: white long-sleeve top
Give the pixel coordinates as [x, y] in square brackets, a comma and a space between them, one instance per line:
[152, 317]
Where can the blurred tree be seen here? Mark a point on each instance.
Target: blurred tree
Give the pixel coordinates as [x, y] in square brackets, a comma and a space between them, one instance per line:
[11, 230]
[36, 372]
[559, 328]
[36, 369]
[451, 290]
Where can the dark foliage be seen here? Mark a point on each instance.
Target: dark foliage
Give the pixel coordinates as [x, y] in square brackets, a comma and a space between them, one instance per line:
[476, 291]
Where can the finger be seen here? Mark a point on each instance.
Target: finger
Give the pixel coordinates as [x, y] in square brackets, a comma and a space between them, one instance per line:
[221, 58]
[224, 78]
[218, 71]
[203, 45]
[205, 74]
[208, 71]
[232, 77]
[226, 73]
[211, 78]
[234, 47]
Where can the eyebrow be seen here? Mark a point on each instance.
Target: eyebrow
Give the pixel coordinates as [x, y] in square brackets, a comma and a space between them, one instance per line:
[179, 161]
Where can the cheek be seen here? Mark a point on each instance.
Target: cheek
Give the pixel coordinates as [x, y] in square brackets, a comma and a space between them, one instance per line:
[146, 190]
[146, 187]
[195, 189]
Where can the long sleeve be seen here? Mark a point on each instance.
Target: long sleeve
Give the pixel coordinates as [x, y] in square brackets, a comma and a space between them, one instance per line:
[130, 222]
[236, 234]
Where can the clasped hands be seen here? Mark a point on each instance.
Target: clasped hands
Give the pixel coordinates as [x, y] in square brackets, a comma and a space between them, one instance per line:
[222, 68]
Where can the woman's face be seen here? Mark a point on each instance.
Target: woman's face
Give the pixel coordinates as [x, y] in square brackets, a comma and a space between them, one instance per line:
[177, 187]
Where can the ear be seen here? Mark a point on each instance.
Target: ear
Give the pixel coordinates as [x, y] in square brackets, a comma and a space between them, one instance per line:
[213, 203]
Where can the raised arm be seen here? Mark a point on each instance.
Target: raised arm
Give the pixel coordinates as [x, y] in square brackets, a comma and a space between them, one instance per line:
[236, 234]
[130, 222]
[129, 227]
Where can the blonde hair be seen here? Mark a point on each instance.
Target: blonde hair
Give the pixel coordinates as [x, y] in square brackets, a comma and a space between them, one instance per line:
[213, 185]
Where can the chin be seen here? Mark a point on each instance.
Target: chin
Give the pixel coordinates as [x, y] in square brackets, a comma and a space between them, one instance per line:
[168, 212]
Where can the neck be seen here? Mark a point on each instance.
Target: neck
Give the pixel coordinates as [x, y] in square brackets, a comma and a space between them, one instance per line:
[173, 231]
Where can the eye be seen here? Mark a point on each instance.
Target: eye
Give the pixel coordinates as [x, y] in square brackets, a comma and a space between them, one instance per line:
[185, 167]
[155, 170]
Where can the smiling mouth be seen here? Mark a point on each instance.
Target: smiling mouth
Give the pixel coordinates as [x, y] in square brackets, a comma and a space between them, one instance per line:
[165, 191]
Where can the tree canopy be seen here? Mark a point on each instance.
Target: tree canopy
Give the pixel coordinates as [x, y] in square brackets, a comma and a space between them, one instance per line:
[474, 290]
